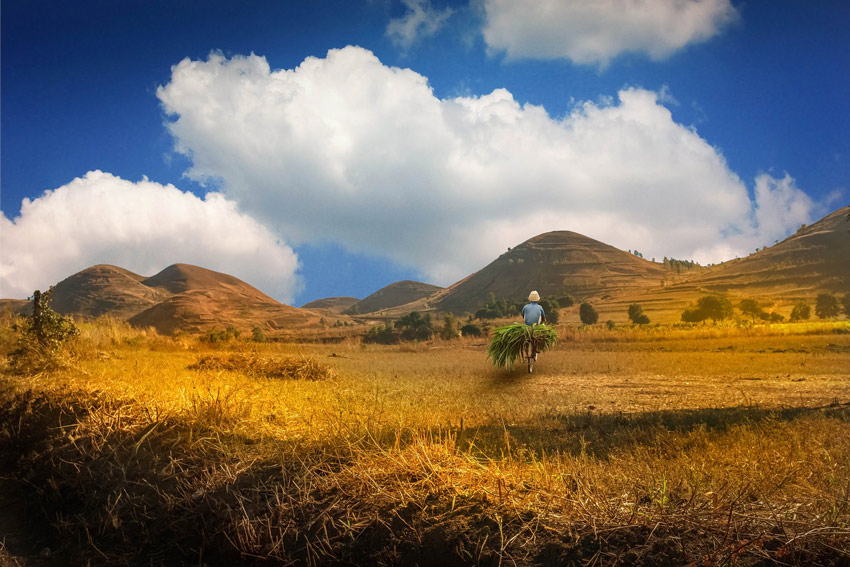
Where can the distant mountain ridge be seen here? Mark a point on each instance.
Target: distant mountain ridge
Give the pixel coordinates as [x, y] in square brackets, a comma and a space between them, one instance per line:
[184, 297]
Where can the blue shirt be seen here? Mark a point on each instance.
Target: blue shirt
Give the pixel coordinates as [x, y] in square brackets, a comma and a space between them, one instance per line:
[533, 314]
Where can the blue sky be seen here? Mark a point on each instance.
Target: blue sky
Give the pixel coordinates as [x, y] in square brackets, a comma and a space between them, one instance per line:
[321, 148]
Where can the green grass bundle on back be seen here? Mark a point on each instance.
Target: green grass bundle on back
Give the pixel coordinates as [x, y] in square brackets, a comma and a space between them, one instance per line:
[509, 341]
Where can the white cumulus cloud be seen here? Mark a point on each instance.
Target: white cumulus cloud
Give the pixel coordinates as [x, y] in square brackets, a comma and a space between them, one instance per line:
[143, 227]
[421, 20]
[596, 31]
[348, 150]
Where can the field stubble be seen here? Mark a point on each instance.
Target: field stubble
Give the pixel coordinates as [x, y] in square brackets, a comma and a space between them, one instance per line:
[702, 446]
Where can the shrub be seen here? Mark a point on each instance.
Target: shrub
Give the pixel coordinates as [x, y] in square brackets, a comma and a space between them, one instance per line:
[42, 334]
[289, 368]
[550, 307]
[801, 312]
[845, 304]
[382, 335]
[415, 327]
[450, 330]
[588, 314]
[610, 324]
[636, 315]
[826, 306]
[566, 301]
[257, 334]
[470, 330]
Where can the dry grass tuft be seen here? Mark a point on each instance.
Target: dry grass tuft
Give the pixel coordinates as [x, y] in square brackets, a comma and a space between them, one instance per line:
[257, 366]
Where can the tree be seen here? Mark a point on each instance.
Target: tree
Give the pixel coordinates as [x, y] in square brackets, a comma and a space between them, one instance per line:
[714, 307]
[550, 307]
[636, 315]
[751, 308]
[845, 303]
[470, 330]
[42, 335]
[588, 314]
[382, 335]
[801, 312]
[415, 327]
[449, 330]
[826, 306]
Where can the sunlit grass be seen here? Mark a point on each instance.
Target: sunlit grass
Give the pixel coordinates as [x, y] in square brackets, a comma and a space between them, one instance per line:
[711, 444]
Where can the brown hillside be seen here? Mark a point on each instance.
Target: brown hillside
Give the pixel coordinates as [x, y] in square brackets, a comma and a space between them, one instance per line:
[815, 259]
[102, 290]
[205, 299]
[331, 304]
[555, 264]
[393, 295]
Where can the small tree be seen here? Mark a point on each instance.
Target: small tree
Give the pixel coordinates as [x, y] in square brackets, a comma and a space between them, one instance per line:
[636, 315]
[845, 304]
[751, 308]
[382, 335]
[826, 306]
[550, 307]
[415, 327]
[801, 312]
[257, 334]
[470, 330]
[42, 334]
[449, 330]
[588, 314]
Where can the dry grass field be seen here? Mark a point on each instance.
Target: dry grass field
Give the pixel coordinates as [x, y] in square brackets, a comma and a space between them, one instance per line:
[660, 446]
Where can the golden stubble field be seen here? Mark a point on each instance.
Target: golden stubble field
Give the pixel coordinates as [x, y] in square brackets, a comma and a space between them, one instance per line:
[659, 446]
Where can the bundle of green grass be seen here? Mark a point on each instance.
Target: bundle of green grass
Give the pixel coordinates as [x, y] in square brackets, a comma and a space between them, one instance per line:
[508, 342]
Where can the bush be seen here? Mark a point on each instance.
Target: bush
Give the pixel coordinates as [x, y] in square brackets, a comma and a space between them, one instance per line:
[450, 330]
[470, 330]
[845, 304]
[610, 324]
[826, 306]
[588, 314]
[382, 335]
[415, 327]
[636, 315]
[714, 307]
[550, 307]
[801, 312]
[257, 334]
[42, 335]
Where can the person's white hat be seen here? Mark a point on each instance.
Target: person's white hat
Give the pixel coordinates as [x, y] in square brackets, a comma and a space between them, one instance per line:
[534, 296]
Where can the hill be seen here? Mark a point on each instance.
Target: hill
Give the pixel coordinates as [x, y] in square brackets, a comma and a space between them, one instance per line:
[393, 295]
[331, 304]
[555, 264]
[105, 289]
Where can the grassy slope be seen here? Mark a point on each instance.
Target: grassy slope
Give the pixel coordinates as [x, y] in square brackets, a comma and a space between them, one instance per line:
[712, 445]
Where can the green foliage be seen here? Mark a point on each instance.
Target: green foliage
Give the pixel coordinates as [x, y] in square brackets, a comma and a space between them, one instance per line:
[449, 330]
[636, 315]
[550, 307]
[415, 327]
[751, 308]
[826, 306]
[679, 266]
[801, 312]
[510, 341]
[218, 336]
[496, 308]
[714, 307]
[566, 301]
[470, 330]
[587, 314]
[257, 334]
[382, 335]
[845, 304]
[42, 334]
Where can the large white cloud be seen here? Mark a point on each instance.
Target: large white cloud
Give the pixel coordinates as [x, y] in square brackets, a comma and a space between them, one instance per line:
[144, 226]
[596, 31]
[346, 149]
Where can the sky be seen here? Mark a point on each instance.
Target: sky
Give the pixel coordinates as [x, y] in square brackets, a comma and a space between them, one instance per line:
[319, 148]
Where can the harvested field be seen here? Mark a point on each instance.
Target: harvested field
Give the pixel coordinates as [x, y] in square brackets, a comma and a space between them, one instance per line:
[656, 446]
